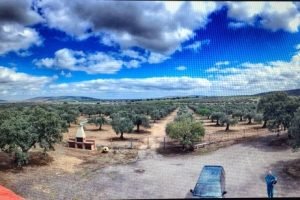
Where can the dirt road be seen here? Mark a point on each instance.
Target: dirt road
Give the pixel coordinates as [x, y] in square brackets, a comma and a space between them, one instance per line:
[158, 132]
[172, 177]
[157, 176]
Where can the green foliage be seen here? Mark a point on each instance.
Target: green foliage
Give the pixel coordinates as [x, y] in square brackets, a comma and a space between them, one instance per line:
[141, 120]
[122, 124]
[258, 118]
[217, 116]
[278, 108]
[98, 121]
[228, 121]
[22, 130]
[250, 116]
[186, 131]
[294, 130]
[238, 113]
[155, 115]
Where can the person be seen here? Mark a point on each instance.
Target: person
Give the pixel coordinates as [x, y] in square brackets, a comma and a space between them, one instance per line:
[270, 180]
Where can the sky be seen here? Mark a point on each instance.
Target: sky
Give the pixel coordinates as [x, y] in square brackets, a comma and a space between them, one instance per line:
[139, 49]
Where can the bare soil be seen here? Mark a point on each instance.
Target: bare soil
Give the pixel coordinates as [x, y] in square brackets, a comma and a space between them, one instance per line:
[146, 138]
[130, 173]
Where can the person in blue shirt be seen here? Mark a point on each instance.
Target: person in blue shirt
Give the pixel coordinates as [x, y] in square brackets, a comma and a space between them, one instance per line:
[270, 180]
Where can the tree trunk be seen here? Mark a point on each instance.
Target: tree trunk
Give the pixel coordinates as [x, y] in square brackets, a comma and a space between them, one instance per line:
[227, 127]
[265, 124]
[241, 118]
[100, 127]
[69, 124]
[250, 121]
[138, 128]
[121, 137]
[217, 124]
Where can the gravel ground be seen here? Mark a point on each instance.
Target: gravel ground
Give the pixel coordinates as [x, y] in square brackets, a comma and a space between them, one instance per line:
[157, 176]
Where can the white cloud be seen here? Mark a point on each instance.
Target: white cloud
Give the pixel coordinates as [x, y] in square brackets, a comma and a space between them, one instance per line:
[157, 58]
[251, 78]
[64, 74]
[269, 15]
[15, 16]
[15, 37]
[133, 87]
[159, 27]
[236, 25]
[181, 68]
[196, 46]
[226, 62]
[17, 84]
[96, 63]
[297, 47]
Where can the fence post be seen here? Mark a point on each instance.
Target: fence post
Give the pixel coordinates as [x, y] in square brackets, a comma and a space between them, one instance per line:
[148, 143]
[164, 142]
[244, 133]
[131, 143]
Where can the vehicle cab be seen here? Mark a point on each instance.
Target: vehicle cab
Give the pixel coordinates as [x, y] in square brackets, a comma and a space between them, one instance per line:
[211, 183]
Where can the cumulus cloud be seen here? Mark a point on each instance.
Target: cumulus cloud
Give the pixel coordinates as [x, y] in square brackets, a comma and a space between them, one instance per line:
[13, 83]
[159, 27]
[181, 68]
[128, 87]
[269, 15]
[98, 62]
[15, 37]
[95, 63]
[251, 78]
[197, 45]
[226, 62]
[64, 74]
[217, 67]
[15, 15]
[236, 25]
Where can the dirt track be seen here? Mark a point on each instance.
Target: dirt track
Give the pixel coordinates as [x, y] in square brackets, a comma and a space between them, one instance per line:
[157, 176]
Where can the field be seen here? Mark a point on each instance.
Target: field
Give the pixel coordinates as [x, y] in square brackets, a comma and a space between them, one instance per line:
[142, 165]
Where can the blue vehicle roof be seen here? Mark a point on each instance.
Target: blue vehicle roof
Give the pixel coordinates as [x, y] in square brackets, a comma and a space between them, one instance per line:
[209, 182]
[210, 173]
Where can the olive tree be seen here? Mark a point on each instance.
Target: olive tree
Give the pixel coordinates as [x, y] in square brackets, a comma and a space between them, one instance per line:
[98, 121]
[204, 112]
[21, 132]
[155, 115]
[294, 130]
[217, 116]
[140, 120]
[249, 116]
[228, 121]
[186, 131]
[122, 125]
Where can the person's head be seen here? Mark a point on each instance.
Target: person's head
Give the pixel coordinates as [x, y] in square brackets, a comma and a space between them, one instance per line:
[270, 172]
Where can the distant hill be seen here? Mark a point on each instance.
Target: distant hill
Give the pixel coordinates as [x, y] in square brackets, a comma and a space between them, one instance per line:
[2, 101]
[295, 92]
[62, 98]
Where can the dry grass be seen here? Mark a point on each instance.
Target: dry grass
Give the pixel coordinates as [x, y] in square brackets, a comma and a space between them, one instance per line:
[107, 136]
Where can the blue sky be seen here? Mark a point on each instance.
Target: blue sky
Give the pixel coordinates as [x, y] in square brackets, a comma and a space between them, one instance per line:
[147, 49]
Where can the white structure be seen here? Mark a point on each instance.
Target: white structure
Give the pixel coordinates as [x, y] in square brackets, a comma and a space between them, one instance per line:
[80, 141]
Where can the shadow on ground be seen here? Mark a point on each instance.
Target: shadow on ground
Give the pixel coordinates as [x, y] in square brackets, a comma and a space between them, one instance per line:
[269, 143]
[288, 175]
[35, 159]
